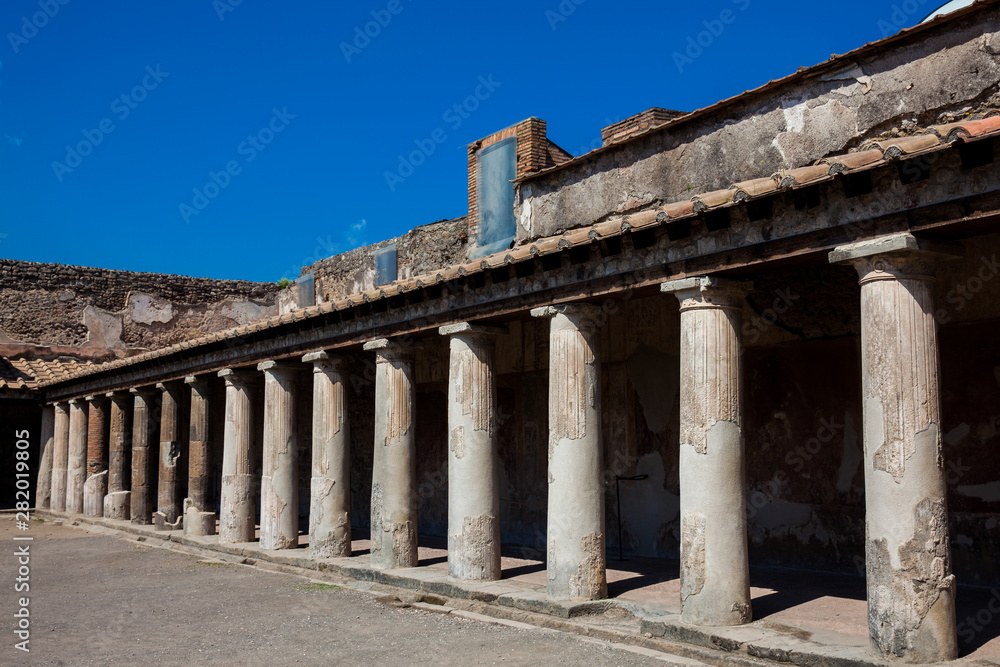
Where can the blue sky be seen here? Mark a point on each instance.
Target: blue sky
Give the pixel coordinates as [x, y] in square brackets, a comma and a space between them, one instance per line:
[286, 118]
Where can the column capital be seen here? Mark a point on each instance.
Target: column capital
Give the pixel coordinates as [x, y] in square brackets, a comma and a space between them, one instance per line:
[236, 378]
[472, 328]
[116, 395]
[279, 367]
[196, 380]
[169, 386]
[583, 315]
[323, 361]
[95, 398]
[74, 401]
[895, 257]
[708, 292]
[145, 391]
[388, 350]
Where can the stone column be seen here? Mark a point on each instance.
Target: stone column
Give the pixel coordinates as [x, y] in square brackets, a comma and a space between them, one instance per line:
[394, 463]
[76, 469]
[576, 562]
[116, 503]
[473, 454]
[715, 573]
[199, 519]
[279, 482]
[236, 516]
[145, 430]
[60, 456]
[330, 491]
[911, 590]
[96, 486]
[169, 515]
[43, 487]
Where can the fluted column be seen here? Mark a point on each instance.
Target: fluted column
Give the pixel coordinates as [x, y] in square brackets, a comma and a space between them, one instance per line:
[96, 486]
[169, 514]
[199, 519]
[394, 464]
[145, 431]
[911, 590]
[279, 483]
[330, 490]
[715, 573]
[473, 454]
[116, 502]
[43, 487]
[76, 469]
[576, 561]
[236, 516]
[60, 456]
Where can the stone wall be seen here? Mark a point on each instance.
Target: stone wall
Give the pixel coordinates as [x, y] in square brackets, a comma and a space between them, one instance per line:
[102, 312]
[419, 251]
[937, 75]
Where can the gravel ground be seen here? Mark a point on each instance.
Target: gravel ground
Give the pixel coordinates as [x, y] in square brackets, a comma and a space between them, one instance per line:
[100, 600]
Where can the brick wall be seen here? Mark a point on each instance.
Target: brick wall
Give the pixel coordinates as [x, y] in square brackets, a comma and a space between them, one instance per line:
[641, 122]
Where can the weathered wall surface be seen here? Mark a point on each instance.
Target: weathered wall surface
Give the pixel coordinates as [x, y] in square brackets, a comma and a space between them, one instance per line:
[103, 312]
[419, 251]
[934, 76]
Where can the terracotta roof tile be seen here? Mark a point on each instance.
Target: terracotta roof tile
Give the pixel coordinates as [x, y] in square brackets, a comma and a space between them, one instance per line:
[893, 149]
[850, 161]
[757, 187]
[803, 175]
[965, 129]
[713, 199]
[679, 209]
[606, 229]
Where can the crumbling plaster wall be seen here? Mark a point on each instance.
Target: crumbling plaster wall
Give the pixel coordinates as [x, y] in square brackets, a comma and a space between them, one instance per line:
[934, 76]
[421, 250]
[102, 312]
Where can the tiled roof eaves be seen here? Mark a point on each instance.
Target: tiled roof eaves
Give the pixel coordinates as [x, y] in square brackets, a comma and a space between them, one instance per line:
[925, 143]
[834, 63]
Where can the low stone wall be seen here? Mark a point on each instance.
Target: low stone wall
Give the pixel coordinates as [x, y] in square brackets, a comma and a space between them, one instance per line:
[102, 312]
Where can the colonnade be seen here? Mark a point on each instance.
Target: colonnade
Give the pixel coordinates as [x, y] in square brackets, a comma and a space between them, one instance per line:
[910, 586]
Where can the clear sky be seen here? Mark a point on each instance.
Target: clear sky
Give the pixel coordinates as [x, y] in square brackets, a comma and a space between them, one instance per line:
[288, 120]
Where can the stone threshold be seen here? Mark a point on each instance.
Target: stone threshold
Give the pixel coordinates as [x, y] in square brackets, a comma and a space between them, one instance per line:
[614, 620]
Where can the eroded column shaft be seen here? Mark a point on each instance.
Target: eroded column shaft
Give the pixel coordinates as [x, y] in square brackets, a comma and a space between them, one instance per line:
[236, 519]
[116, 502]
[76, 469]
[60, 456]
[43, 488]
[279, 484]
[394, 465]
[715, 576]
[330, 490]
[198, 518]
[473, 456]
[145, 430]
[911, 590]
[168, 506]
[576, 562]
[96, 486]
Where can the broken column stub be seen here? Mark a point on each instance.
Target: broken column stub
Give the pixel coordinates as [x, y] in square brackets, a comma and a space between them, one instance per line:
[279, 482]
[60, 456]
[145, 431]
[394, 464]
[199, 520]
[169, 514]
[473, 455]
[76, 468]
[575, 562]
[236, 514]
[911, 590]
[96, 486]
[330, 485]
[116, 502]
[715, 573]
